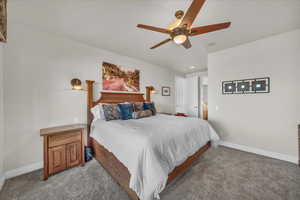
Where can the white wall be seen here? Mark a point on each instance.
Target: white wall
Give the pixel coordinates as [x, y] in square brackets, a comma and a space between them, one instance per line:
[38, 70]
[263, 121]
[1, 120]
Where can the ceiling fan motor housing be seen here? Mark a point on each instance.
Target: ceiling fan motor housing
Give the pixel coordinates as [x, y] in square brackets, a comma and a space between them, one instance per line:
[179, 31]
[179, 14]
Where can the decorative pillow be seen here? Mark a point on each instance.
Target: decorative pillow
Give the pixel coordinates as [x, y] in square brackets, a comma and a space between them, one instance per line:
[142, 114]
[97, 112]
[126, 111]
[147, 106]
[138, 106]
[150, 106]
[111, 111]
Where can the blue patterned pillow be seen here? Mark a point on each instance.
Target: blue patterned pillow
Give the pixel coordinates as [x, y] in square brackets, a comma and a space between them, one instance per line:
[138, 106]
[147, 106]
[142, 114]
[150, 106]
[126, 111]
[111, 111]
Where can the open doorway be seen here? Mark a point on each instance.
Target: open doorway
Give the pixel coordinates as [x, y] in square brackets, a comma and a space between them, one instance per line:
[204, 102]
[192, 95]
[203, 98]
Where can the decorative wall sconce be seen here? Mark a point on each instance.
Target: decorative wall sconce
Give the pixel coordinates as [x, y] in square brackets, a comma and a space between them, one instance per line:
[150, 90]
[76, 84]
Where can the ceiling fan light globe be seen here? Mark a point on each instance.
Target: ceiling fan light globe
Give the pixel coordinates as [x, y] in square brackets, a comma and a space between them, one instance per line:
[180, 39]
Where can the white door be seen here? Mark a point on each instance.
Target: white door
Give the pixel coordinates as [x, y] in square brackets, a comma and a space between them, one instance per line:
[192, 96]
[180, 84]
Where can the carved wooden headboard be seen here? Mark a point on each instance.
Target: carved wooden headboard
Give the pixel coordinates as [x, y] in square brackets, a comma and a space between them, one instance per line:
[108, 97]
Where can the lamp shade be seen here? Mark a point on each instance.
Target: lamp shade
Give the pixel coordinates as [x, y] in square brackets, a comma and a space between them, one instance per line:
[76, 84]
[180, 39]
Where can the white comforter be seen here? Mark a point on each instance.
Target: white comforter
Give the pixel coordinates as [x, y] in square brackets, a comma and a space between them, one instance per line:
[152, 147]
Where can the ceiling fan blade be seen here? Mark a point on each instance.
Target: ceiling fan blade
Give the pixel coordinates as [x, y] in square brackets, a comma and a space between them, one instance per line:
[187, 44]
[152, 28]
[161, 43]
[192, 13]
[210, 28]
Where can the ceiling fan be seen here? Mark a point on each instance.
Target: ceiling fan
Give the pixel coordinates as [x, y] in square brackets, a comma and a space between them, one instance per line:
[181, 29]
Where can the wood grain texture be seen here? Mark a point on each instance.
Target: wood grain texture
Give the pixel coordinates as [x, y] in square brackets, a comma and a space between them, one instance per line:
[161, 43]
[148, 94]
[90, 102]
[192, 13]
[156, 29]
[46, 164]
[64, 138]
[57, 159]
[209, 28]
[63, 147]
[73, 154]
[59, 129]
[116, 97]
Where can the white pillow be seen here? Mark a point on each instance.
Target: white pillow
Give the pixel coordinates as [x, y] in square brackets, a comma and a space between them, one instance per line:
[97, 112]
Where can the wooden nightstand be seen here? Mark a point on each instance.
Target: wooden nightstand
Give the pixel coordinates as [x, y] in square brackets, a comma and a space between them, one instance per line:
[63, 147]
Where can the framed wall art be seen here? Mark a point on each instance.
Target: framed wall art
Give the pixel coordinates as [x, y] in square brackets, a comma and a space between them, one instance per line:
[166, 91]
[246, 86]
[117, 78]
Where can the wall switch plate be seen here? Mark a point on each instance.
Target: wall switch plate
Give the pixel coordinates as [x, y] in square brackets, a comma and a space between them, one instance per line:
[217, 108]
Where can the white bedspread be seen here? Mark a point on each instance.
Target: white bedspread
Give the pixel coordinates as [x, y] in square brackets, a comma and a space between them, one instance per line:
[152, 147]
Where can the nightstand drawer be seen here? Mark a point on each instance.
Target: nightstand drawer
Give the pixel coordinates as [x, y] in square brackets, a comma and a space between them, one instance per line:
[67, 138]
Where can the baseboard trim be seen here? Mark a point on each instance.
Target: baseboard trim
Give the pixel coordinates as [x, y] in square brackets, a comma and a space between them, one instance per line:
[2, 180]
[261, 152]
[23, 170]
[279, 156]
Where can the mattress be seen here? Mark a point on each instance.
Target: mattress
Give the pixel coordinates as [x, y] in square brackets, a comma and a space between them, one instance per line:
[152, 147]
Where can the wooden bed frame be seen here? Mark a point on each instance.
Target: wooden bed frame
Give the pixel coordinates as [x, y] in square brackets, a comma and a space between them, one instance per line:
[112, 165]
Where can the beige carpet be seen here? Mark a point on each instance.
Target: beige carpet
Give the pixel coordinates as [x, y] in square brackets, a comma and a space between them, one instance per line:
[221, 174]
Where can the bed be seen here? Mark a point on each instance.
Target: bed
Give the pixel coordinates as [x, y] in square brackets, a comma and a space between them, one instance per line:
[145, 155]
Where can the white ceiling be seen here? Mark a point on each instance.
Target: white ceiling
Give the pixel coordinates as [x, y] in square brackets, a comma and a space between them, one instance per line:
[111, 25]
